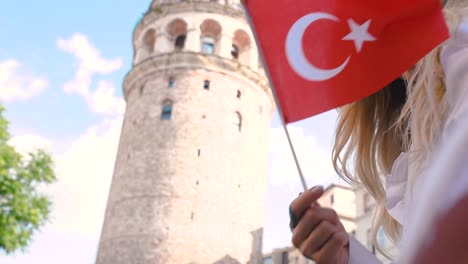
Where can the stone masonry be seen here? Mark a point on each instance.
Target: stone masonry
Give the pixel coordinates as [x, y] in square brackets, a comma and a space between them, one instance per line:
[190, 175]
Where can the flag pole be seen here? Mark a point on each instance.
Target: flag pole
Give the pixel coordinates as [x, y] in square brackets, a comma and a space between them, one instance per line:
[298, 166]
[278, 105]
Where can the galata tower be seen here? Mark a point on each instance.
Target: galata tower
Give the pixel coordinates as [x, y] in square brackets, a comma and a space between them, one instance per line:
[190, 175]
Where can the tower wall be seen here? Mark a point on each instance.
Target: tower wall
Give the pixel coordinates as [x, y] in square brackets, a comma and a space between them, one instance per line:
[190, 189]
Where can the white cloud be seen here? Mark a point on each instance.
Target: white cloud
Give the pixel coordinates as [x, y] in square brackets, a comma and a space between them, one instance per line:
[102, 99]
[28, 143]
[85, 171]
[17, 84]
[314, 158]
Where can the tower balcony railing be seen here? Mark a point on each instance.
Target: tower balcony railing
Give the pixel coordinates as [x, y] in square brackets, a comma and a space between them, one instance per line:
[189, 60]
[231, 3]
[219, 6]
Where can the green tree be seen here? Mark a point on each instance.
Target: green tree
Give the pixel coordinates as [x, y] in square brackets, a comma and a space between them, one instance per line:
[23, 209]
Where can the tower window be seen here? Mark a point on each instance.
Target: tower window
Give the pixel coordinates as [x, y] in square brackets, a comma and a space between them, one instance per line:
[142, 89]
[234, 52]
[239, 94]
[240, 49]
[332, 199]
[177, 31]
[210, 30]
[238, 121]
[206, 84]
[208, 45]
[180, 42]
[199, 152]
[171, 83]
[149, 40]
[166, 110]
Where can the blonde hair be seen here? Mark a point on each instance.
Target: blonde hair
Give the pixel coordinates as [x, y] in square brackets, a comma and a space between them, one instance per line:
[372, 132]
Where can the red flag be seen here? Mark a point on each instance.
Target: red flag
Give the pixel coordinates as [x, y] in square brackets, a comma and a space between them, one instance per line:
[321, 54]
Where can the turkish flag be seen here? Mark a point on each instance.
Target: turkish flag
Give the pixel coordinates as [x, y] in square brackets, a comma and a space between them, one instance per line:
[321, 54]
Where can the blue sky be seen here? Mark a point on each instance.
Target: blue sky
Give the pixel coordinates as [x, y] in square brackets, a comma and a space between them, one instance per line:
[61, 68]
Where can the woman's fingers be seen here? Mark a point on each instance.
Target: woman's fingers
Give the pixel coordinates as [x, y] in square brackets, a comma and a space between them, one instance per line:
[317, 239]
[319, 235]
[310, 220]
[318, 232]
[302, 203]
[334, 250]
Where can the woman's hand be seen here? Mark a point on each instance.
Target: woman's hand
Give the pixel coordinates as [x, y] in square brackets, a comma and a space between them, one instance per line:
[317, 231]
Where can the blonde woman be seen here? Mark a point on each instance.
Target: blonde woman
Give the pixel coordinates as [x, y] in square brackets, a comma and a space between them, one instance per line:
[392, 133]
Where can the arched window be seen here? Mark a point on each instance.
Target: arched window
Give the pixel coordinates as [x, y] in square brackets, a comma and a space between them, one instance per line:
[241, 46]
[238, 120]
[177, 30]
[149, 39]
[211, 34]
[166, 113]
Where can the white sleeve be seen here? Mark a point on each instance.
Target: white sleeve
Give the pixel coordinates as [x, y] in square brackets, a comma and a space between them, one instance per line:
[454, 58]
[358, 254]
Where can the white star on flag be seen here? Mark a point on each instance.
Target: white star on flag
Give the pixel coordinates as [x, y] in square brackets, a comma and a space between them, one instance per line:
[359, 33]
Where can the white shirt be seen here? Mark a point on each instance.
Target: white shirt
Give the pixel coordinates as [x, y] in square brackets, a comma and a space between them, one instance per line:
[454, 58]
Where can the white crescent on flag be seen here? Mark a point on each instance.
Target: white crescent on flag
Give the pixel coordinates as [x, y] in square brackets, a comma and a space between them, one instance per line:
[295, 50]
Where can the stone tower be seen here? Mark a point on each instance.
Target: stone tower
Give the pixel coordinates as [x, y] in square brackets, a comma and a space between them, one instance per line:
[190, 175]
